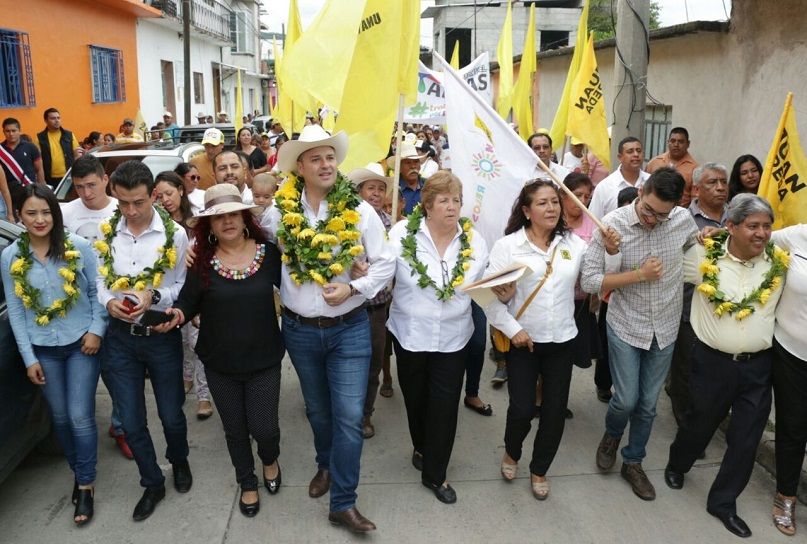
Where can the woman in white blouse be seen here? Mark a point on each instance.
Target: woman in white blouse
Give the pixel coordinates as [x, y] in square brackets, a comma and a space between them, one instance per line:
[430, 320]
[541, 338]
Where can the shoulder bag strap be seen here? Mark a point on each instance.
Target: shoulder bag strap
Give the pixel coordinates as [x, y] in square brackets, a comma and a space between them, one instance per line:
[540, 283]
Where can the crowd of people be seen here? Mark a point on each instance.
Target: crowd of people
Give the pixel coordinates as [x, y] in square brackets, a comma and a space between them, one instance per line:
[664, 274]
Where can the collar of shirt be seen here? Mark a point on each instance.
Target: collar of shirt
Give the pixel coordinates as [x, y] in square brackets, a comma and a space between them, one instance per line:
[523, 240]
[404, 187]
[762, 257]
[695, 210]
[156, 224]
[431, 247]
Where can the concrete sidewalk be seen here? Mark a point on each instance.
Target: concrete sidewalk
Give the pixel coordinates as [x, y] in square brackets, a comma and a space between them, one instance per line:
[584, 505]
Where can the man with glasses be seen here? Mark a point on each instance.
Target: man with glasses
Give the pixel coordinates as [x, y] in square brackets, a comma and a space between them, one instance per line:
[677, 156]
[708, 208]
[644, 313]
[541, 145]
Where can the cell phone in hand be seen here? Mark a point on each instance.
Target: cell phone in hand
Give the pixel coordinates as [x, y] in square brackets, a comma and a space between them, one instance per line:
[129, 302]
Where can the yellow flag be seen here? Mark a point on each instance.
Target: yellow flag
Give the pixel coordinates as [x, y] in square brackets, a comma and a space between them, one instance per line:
[140, 125]
[558, 130]
[522, 94]
[586, 108]
[455, 56]
[785, 175]
[371, 92]
[328, 122]
[504, 55]
[239, 105]
[410, 51]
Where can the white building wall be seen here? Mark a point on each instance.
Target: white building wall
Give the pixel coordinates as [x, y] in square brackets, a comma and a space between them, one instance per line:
[249, 64]
[157, 43]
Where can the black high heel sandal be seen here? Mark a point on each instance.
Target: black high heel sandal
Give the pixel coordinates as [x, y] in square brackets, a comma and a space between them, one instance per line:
[74, 497]
[272, 484]
[84, 506]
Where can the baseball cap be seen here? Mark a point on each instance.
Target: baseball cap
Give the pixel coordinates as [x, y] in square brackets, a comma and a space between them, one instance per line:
[213, 136]
[128, 121]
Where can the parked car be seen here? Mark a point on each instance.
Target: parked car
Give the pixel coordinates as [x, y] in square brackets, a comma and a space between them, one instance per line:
[194, 133]
[24, 417]
[261, 123]
[158, 156]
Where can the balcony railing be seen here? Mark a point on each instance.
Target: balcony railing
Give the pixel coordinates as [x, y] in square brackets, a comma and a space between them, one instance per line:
[208, 16]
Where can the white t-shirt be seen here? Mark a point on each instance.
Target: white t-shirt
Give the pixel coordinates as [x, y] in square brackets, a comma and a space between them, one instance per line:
[197, 199]
[571, 162]
[81, 220]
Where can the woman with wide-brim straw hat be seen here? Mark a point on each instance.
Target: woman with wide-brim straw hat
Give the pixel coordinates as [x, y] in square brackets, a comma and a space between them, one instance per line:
[231, 286]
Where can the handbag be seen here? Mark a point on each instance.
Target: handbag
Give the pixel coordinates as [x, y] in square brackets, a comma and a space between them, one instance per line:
[500, 340]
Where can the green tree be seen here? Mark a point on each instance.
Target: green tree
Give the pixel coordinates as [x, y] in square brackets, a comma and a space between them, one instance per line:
[604, 26]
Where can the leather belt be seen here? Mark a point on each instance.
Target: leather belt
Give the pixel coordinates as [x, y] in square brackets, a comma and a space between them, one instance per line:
[135, 329]
[736, 357]
[323, 322]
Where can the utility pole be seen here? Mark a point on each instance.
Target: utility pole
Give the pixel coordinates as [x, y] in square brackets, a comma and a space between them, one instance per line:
[630, 70]
[186, 58]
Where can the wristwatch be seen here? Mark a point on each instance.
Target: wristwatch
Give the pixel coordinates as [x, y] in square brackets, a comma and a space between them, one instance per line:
[353, 290]
[156, 297]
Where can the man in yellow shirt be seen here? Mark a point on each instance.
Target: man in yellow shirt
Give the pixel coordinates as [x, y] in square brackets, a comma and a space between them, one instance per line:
[58, 147]
[128, 135]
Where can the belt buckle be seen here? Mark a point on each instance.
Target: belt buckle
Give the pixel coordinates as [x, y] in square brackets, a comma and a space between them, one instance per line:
[135, 330]
[740, 357]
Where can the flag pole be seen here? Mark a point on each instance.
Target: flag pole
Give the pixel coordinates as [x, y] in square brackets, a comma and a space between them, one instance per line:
[397, 169]
[570, 194]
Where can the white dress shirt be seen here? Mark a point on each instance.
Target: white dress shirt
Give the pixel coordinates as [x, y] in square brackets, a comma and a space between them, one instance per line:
[603, 201]
[560, 171]
[417, 319]
[791, 313]
[550, 315]
[133, 254]
[306, 299]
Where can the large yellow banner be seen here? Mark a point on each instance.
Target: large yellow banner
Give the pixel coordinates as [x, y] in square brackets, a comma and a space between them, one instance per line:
[586, 120]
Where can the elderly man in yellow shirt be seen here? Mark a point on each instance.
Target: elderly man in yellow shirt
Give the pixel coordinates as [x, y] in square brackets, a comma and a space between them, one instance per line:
[739, 277]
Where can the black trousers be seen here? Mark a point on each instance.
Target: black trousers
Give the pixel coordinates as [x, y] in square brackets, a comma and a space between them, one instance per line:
[680, 370]
[248, 405]
[553, 362]
[378, 340]
[718, 384]
[602, 370]
[431, 384]
[790, 392]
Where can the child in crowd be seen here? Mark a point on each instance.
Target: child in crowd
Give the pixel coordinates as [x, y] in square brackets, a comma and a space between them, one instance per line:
[263, 189]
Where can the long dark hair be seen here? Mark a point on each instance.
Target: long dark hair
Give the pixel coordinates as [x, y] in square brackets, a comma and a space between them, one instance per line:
[517, 220]
[56, 246]
[735, 186]
[204, 248]
[173, 179]
[238, 137]
[183, 168]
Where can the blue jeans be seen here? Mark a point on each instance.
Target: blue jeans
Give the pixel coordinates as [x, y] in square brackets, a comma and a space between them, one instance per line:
[638, 375]
[125, 359]
[333, 365]
[71, 378]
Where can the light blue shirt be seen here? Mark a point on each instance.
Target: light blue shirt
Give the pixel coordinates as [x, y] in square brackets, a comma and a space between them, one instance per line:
[86, 315]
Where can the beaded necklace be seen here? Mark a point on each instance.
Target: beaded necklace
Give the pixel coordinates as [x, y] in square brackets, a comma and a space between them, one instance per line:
[251, 270]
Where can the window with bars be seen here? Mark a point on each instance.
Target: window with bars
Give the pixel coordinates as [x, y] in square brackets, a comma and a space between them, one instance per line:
[108, 84]
[16, 73]
[657, 123]
[241, 32]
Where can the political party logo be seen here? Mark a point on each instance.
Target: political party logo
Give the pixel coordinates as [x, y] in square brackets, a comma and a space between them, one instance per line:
[485, 164]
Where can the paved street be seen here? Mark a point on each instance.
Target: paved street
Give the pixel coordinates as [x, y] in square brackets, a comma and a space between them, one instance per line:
[584, 505]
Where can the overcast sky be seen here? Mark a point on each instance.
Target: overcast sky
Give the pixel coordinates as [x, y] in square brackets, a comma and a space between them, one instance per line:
[672, 12]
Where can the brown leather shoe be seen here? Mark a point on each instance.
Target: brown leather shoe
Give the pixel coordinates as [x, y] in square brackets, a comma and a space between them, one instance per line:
[353, 520]
[638, 481]
[320, 483]
[367, 428]
[606, 451]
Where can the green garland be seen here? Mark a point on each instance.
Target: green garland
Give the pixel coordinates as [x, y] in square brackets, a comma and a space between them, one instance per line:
[151, 276]
[409, 253]
[308, 252]
[30, 294]
[710, 288]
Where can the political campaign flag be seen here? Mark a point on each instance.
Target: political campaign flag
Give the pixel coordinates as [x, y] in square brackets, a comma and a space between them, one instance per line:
[522, 94]
[587, 108]
[504, 56]
[490, 159]
[558, 130]
[455, 56]
[238, 122]
[784, 179]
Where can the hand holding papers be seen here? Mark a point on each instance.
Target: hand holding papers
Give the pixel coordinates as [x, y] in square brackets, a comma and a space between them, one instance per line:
[480, 291]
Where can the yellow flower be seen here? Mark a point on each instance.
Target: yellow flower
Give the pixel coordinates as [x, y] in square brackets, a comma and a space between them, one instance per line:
[708, 269]
[336, 268]
[18, 289]
[158, 280]
[708, 243]
[18, 266]
[351, 217]
[466, 226]
[69, 275]
[57, 304]
[285, 258]
[68, 290]
[120, 283]
[764, 295]
[106, 228]
[103, 270]
[467, 252]
[776, 281]
[324, 256]
[295, 231]
[742, 314]
[289, 205]
[332, 239]
[782, 255]
[42, 320]
[356, 250]
[287, 190]
[341, 205]
[319, 239]
[101, 246]
[335, 225]
[707, 289]
[295, 279]
[171, 255]
[26, 301]
[292, 219]
[724, 307]
[140, 286]
[317, 277]
[348, 235]
[72, 254]
[466, 266]
[306, 233]
[457, 282]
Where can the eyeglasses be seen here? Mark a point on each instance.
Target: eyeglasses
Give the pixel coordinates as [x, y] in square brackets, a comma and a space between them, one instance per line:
[647, 211]
[446, 277]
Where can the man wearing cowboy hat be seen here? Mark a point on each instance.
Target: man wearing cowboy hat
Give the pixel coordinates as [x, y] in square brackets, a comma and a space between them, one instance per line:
[411, 181]
[374, 187]
[325, 327]
[213, 140]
